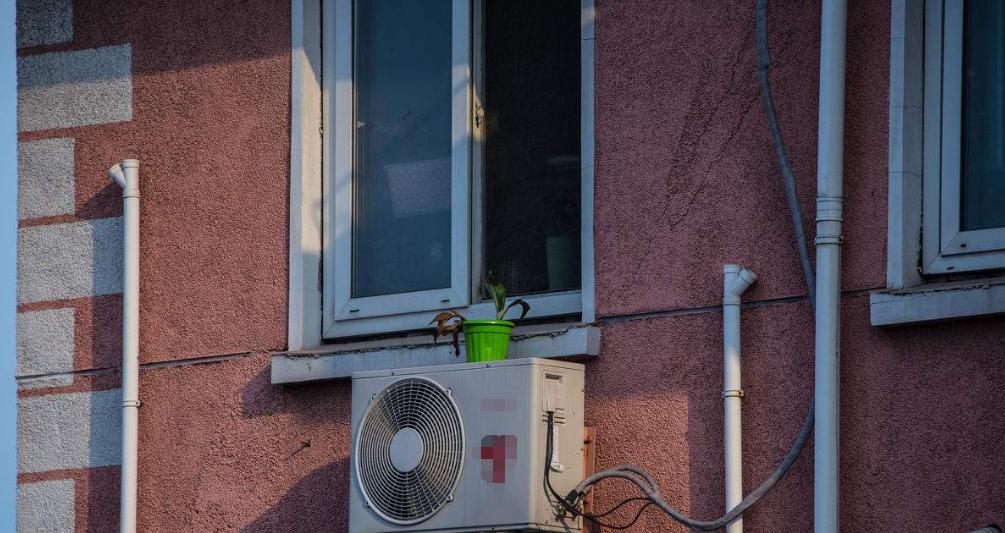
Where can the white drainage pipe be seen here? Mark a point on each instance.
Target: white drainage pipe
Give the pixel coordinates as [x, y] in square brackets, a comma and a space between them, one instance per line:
[126, 174]
[830, 160]
[735, 280]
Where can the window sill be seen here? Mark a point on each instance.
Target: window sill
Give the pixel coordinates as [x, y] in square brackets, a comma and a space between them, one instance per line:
[566, 341]
[937, 301]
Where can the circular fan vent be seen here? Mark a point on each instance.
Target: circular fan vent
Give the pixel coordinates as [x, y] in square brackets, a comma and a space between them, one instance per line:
[409, 450]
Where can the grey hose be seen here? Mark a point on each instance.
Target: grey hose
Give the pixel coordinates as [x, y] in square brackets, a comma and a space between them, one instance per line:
[768, 101]
[639, 477]
[652, 492]
[632, 469]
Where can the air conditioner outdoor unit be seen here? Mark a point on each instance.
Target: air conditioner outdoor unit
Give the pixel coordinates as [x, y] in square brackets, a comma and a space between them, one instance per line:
[462, 447]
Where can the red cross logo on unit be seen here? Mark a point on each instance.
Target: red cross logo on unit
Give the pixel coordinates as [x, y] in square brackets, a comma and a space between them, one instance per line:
[498, 452]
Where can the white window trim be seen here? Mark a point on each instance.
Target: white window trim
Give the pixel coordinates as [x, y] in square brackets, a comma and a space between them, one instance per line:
[303, 326]
[311, 318]
[909, 297]
[947, 249]
[568, 341]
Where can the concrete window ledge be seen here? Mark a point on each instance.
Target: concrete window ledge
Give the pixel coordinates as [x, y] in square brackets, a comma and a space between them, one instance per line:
[937, 301]
[570, 341]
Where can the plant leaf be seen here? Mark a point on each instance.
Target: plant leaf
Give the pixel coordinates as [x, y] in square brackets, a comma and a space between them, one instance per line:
[497, 291]
[445, 316]
[448, 323]
[521, 303]
[457, 345]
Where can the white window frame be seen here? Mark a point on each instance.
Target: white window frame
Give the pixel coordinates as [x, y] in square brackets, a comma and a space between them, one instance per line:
[320, 309]
[946, 248]
[339, 305]
[915, 166]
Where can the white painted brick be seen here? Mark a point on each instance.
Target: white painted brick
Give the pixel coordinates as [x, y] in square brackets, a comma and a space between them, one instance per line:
[73, 430]
[74, 88]
[46, 506]
[45, 346]
[73, 260]
[44, 22]
[45, 185]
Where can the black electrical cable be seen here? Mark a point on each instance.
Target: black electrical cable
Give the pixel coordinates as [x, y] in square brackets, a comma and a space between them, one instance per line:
[572, 509]
[626, 472]
[635, 519]
[622, 504]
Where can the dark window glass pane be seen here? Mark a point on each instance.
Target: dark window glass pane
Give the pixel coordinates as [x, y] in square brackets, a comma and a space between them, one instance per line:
[531, 158]
[401, 181]
[983, 178]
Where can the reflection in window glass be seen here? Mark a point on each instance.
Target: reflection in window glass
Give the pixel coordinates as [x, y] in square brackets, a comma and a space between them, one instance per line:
[401, 182]
[983, 172]
[531, 155]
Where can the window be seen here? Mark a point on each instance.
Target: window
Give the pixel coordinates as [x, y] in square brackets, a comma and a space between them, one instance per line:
[454, 147]
[946, 233]
[964, 136]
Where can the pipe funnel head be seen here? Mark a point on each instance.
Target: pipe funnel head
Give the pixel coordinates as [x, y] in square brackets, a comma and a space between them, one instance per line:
[116, 174]
[736, 280]
[747, 276]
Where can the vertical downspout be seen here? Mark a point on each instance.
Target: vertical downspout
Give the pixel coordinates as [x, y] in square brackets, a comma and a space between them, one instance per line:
[735, 280]
[830, 159]
[126, 174]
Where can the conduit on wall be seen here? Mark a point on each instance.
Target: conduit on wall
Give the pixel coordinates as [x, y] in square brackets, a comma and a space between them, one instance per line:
[735, 281]
[830, 161]
[126, 174]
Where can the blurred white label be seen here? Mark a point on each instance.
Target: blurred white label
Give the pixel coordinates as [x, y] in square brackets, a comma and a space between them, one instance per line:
[556, 465]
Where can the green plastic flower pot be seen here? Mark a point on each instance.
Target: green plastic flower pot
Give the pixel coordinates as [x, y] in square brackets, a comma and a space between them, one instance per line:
[487, 340]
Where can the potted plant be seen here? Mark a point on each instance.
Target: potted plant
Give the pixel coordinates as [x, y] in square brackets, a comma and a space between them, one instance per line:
[485, 340]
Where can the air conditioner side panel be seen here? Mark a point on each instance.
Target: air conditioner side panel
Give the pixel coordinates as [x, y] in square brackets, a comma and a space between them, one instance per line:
[568, 439]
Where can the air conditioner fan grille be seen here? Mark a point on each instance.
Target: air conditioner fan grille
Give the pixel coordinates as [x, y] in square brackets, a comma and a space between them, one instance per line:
[426, 408]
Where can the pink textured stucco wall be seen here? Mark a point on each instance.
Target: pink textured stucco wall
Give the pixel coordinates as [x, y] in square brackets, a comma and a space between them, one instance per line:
[920, 442]
[686, 178]
[686, 182]
[225, 450]
[210, 126]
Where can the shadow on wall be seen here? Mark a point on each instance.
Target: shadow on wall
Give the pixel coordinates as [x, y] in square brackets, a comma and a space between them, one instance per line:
[102, 513]
[106, 201]
[104, 337]
[259, 397]
[318, 502]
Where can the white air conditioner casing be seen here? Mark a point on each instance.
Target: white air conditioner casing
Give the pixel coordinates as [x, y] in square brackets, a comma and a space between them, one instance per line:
[461, 448]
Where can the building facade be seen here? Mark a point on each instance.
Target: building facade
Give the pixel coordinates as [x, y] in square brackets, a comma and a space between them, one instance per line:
[264, 284]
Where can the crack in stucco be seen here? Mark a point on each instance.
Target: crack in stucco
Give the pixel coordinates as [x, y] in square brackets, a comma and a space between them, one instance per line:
[677, 217]
[687, 151]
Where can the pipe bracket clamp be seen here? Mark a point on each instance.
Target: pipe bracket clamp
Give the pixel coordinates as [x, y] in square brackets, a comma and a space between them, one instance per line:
[732, 393]
[826, 239]
[131, 403]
